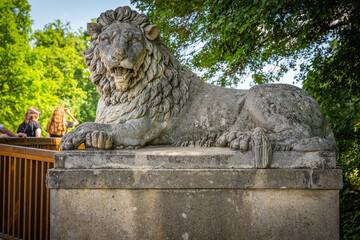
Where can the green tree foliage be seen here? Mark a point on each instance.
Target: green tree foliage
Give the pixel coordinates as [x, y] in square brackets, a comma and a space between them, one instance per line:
[87, 108]
[233, 37]
[58, 59]
[229, 38]
[349, 161]
[43, 69]
[15, 27]
[334, 80]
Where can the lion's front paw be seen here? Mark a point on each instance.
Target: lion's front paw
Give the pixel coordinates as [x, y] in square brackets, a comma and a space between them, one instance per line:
[67, 143]
[73, 139]
[99, 139]
[236, 140]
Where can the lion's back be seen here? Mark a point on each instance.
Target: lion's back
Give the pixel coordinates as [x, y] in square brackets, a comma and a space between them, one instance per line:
[280, 106]
[209, 110]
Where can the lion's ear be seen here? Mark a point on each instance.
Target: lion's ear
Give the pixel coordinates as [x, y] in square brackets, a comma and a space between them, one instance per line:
[94, 29]
[151, 31]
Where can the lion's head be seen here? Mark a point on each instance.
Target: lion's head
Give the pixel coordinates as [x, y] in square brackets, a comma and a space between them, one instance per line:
[132, 67]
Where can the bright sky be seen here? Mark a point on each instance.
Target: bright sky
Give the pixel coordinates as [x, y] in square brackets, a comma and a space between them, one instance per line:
[77, 12]
[80, 12]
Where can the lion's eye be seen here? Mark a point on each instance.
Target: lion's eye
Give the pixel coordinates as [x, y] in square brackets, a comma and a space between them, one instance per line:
[134, 40]
[104, 38]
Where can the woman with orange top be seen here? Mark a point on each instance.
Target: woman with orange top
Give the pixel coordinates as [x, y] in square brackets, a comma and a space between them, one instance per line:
[58, 125]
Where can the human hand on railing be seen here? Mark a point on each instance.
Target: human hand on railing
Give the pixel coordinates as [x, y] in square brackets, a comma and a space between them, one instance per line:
[4, 136]
[22, 135]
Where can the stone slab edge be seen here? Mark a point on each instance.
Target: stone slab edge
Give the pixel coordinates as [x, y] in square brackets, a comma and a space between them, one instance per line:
[195, 179]
[187, 158]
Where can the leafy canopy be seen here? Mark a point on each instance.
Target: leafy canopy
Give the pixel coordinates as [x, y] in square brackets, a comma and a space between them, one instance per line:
[15, 26]
[236, 37]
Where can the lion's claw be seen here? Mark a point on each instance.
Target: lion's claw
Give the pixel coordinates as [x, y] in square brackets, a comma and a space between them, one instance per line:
[236, 140]
[99, 139]
[282, 147]
[222, 141]
[67, 146]
[68, 142]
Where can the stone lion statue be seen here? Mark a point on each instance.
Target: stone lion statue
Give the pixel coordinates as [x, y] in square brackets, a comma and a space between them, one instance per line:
[147, 97]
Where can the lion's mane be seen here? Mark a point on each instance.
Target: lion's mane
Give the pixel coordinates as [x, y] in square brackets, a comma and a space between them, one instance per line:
[159, 89]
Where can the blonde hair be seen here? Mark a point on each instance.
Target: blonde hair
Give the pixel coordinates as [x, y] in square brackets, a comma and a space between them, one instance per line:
[57, 124]
[31, 115]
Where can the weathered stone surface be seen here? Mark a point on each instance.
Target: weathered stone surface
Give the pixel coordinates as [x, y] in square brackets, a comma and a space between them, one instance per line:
[185, 158]
[195, 178]
[145, 194]
[194, 214]
[147, 97]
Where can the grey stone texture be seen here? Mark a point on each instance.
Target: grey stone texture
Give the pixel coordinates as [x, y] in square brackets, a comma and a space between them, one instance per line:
[147, 97]
[160, 193]
[194, 214]
[195, 178]
[185, 157]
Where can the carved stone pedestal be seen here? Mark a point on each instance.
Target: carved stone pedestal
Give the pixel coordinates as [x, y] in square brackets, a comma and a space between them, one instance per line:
[193, 193]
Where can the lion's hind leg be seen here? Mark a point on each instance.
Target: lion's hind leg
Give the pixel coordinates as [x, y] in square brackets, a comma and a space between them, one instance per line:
[257, 140]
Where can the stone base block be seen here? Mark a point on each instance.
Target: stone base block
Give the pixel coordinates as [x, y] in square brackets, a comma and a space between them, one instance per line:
[108, 198]
[194, 214]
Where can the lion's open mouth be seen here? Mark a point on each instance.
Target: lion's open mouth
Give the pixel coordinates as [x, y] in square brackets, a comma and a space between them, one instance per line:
[122, 77]
[121, 73]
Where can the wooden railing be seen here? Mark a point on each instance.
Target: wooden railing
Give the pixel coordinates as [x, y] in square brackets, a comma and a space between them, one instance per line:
[24, 198]
[43, 143]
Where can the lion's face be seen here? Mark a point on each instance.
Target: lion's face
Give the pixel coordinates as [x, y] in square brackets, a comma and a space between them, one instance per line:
[134, 72]
[122, 50]
[121, 41]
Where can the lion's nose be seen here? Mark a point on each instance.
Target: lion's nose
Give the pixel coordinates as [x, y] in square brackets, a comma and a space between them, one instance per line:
[127, 34]
[119, 55]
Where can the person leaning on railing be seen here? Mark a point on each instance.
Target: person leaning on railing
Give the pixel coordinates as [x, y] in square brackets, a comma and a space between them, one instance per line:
[30, 126]
[6, 133]
[58, 125]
